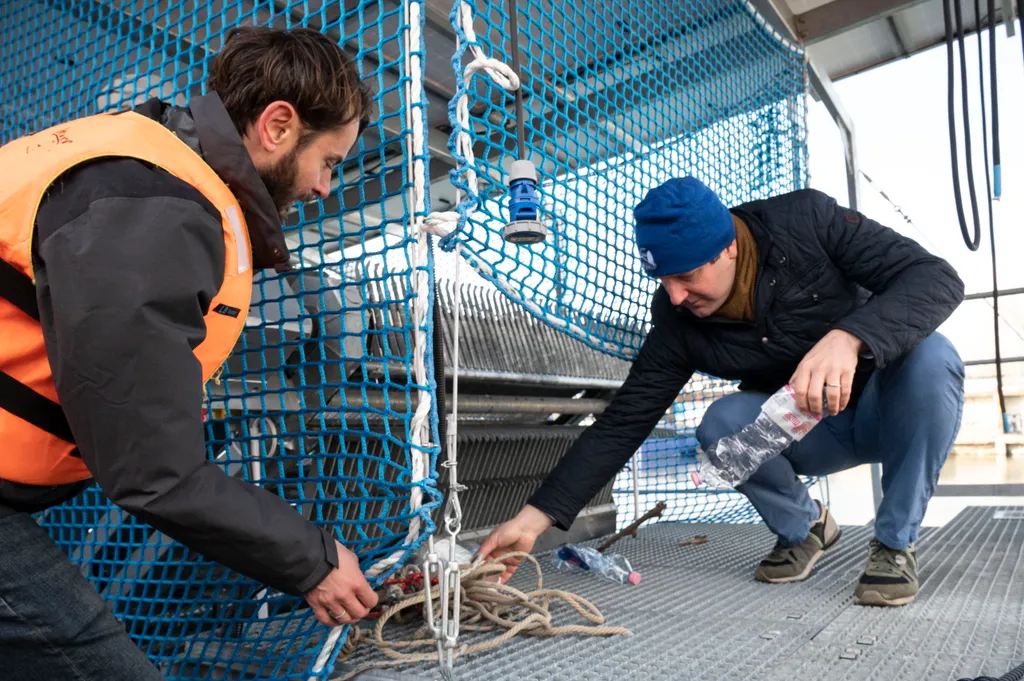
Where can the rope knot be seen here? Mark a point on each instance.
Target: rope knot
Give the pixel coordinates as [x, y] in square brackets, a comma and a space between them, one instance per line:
[487, 606]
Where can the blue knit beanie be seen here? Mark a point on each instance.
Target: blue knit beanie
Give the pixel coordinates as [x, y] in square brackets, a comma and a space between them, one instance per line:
[680, 226]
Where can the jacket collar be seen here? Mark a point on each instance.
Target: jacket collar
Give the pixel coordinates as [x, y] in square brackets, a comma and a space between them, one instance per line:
[766, 248]
[771, 259]
[206, 127]
[768, 255]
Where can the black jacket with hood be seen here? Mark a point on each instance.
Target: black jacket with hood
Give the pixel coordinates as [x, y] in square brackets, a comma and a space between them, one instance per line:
[127, 258]
[821, 267]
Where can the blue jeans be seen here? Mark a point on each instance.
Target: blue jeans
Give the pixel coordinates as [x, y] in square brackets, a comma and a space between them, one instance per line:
[906, 419]
[53, 624]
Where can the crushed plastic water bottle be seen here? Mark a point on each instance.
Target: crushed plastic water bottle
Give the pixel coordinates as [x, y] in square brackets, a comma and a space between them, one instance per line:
[733, 459]
[609, 565]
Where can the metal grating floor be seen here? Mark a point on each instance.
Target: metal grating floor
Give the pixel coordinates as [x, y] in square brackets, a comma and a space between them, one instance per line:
[698, 614]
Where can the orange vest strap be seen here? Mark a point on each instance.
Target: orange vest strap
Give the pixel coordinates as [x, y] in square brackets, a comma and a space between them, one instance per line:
[28, 405]
[18, 289]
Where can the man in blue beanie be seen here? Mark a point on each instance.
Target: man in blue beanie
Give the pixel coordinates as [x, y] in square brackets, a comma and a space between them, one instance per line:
[794, 289]
[683, 229]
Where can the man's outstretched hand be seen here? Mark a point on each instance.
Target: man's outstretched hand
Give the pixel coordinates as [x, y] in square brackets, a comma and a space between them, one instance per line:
[829, 367]
[344, 597]
[518, 534]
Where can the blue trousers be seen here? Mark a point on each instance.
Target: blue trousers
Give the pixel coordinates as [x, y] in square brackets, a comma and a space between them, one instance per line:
[906, 419]
[53, 624]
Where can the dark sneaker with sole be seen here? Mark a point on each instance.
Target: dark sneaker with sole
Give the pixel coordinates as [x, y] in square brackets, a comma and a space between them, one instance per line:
[890, 577]
[794, 563]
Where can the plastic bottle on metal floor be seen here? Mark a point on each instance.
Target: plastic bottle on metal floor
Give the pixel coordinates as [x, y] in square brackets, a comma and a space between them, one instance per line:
[609, 565]
[733, 459]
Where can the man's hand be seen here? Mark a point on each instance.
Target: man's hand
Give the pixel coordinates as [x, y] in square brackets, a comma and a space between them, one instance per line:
[829, 366]
[518, 534]
[344, 597]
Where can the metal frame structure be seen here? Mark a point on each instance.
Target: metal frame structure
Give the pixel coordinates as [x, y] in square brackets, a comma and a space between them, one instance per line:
[839, 16]
[853, 36]
[821, 87]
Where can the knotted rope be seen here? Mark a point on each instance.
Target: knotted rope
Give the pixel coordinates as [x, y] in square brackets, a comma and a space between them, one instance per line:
[487, 605]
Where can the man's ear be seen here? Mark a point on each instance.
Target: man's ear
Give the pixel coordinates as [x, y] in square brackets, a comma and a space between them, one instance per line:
[731, 250]
[278, 127]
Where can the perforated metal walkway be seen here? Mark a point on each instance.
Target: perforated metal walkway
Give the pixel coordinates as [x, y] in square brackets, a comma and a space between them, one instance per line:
[698, 614]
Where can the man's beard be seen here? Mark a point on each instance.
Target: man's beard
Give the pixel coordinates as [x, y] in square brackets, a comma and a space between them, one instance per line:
[280, 181]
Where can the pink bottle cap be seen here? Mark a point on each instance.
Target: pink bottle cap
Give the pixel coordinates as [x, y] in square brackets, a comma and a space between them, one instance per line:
[634, 578]
[695, 476]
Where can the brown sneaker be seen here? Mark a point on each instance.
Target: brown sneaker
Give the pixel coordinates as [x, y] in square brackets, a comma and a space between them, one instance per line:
[794, 563]
[890, 577]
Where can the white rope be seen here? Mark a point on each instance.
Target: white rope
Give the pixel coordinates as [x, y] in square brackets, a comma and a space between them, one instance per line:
[443, 223]
[501, 73]
[438, 224]
[420, 435]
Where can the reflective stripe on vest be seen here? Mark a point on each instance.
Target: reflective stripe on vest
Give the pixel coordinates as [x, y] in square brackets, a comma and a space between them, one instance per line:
[38, 448]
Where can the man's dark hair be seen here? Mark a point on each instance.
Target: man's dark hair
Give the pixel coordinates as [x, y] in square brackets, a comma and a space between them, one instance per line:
[301, 66]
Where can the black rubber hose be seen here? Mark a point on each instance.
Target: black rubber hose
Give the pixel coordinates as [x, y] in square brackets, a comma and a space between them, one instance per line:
[988, 195]
[514, 53]
[965, 104]
[996, 162]
[972, 243]
[1015, 674]
[1020, 21]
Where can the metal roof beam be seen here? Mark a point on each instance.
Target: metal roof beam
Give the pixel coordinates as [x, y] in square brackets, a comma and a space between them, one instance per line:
[840, 16]
[778, 15]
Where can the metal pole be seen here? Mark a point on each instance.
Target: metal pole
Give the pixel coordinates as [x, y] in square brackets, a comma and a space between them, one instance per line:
[876, 485]
[822, 85]
[482, 404]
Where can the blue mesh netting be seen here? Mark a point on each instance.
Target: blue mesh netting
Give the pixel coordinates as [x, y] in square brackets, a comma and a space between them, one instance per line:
[660, 470]
[317, 402]
[617, 98]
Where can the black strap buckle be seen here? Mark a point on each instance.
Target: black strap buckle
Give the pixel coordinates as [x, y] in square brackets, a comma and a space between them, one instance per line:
[18, 289]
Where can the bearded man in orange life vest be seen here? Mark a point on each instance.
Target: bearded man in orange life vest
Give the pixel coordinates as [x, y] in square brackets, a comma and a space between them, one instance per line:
[127, 248]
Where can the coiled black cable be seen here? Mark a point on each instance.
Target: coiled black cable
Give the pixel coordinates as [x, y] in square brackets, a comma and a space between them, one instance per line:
[1015, 674]
[996, 162]
[1020, 20]
[988, 180]
[513, 15]
[972, 242]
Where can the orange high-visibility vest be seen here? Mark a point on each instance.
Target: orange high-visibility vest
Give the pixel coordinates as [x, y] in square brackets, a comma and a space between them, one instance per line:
[37, 444]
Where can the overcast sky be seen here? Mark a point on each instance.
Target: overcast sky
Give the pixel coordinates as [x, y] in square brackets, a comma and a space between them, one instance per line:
[900, 115]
